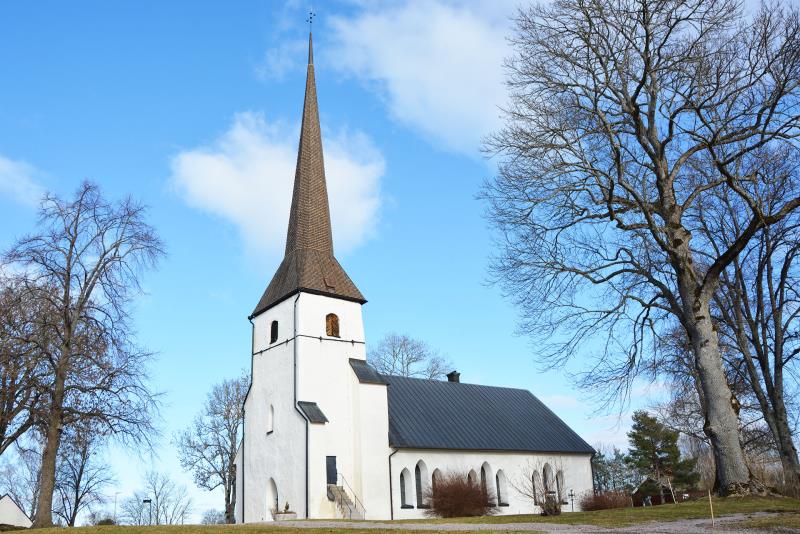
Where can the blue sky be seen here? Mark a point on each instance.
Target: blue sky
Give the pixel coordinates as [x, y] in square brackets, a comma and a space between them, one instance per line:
[194, 108]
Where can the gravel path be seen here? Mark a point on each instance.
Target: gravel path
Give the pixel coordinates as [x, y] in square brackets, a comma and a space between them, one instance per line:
[683, 526]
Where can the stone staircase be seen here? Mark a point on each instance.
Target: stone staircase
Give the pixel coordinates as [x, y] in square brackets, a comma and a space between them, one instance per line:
[347, 508]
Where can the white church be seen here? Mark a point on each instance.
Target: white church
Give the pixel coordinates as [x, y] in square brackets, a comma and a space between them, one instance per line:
[328, 435]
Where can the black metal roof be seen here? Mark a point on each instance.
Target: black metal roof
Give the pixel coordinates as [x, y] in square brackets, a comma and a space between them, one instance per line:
[365, 373]
[433, 414]
[313, 412]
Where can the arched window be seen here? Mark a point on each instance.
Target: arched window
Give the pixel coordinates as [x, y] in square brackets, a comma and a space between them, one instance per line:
[421, 483]
[487, 481]
[536, 486]
[332, 325]
[549, 483]
[435, 478]
[502, 488]
[270, 419]
[560, 485]
[273, 332]
[405, 489]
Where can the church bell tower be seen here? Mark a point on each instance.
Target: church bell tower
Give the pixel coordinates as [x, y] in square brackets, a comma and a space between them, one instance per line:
[303, 435]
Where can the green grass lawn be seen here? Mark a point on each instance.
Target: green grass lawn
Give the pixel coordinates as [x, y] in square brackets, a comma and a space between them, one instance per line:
[215, 529]
[790, 518]
[630, 516]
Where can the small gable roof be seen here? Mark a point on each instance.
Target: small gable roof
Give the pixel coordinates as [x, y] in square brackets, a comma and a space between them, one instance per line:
[433, 414]
[312, 412]
[365, 373]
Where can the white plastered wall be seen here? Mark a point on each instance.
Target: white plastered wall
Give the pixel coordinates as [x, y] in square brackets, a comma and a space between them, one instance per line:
[357, 428]
[10, 514]
[279, 455]
[576, 469]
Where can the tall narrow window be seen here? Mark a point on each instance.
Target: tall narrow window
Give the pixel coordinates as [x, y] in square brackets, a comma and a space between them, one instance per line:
[502, 488]
[332, 325]
[273, 332]
[418, 487]
[406, 489]
[422, 484]
[270, 419]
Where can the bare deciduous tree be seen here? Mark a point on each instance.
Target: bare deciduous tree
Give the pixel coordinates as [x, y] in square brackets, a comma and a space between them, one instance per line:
[171, 502]
[614, 107]
[542, 483]
[84, 265]
[80, 477]
[402, 355]
[23, 376]
[208, 447]
[758, 309]
[19, 473]
[213, 517]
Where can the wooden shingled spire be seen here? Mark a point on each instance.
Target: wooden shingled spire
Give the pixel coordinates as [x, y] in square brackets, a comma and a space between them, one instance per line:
[309, 264]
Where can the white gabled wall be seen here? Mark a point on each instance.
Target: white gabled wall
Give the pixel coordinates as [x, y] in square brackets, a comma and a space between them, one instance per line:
[10, 513]
[576, 469]
[357, 428]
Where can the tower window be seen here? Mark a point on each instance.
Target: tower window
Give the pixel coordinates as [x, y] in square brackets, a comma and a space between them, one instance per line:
[273, 332]
[332, 325]
[271, 419]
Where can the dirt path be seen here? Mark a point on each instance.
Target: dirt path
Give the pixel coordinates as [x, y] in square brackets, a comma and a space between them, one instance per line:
[683, 526]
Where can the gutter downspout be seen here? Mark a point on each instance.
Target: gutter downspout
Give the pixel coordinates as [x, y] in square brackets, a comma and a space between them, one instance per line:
[296, 407]
[391, 489]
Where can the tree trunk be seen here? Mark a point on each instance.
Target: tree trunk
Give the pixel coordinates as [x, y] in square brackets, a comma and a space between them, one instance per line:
[721, 422]
[47, 476]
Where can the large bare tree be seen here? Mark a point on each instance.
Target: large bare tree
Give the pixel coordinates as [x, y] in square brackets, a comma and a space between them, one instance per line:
[402, 355]
[208, 447]
[84, 266]
[614, 106]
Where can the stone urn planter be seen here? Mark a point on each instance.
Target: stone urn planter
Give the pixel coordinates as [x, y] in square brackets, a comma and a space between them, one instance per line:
[285, 515]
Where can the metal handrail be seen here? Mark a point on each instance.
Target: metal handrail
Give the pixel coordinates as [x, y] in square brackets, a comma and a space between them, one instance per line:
[356, 500]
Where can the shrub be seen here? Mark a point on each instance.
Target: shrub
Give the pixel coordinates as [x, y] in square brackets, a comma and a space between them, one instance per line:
[455, 496]
[550, 505]
[603, 501]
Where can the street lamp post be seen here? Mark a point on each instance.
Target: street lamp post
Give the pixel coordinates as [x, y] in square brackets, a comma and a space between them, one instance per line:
[150, 511]
[572, 500]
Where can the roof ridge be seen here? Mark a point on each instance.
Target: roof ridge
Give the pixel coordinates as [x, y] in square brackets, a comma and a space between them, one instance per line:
[459, 383]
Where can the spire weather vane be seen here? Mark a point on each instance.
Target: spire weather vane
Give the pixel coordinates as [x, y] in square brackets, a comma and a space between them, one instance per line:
[310, 18]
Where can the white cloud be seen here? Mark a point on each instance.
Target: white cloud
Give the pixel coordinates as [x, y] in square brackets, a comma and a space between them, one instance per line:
[280, 60]
[18, 180]
[246, 176]
[436, 63]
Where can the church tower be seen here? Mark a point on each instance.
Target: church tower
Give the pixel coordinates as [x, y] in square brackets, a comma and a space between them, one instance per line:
[304, 442]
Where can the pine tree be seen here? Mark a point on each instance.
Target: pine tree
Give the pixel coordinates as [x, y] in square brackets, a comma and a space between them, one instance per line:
[654, 452]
